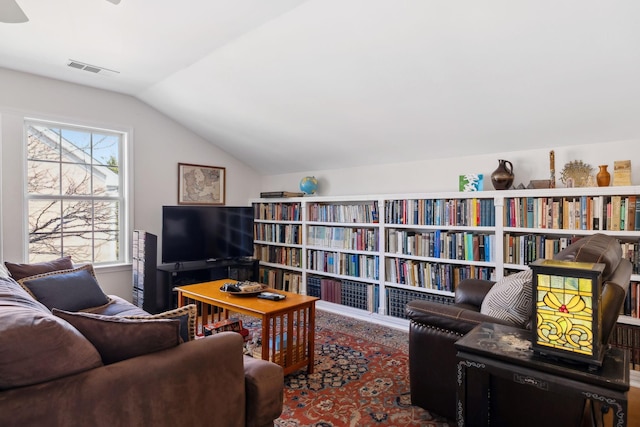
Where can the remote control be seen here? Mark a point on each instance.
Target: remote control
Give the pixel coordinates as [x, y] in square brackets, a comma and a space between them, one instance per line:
[271, 296]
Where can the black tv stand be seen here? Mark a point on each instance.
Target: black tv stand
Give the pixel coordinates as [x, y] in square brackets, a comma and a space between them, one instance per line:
[186, 273]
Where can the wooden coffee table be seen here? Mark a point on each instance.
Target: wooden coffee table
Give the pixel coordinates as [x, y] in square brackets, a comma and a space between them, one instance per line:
[288, 326]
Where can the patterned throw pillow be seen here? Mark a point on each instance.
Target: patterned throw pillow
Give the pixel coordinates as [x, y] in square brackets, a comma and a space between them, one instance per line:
[117, 338]
[186, 315]
[510, 299]
[71, 290]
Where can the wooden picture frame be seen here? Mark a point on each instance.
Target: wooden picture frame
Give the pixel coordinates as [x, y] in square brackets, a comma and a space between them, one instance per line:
[201, 185]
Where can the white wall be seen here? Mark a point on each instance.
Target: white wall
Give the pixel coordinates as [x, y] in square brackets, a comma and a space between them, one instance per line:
[159, 144]
[425, 175]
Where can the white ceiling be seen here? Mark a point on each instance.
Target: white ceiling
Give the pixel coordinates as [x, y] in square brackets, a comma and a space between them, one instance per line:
[301, 85]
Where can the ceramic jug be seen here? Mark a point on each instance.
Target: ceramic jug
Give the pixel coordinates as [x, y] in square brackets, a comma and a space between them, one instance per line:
[502, 177]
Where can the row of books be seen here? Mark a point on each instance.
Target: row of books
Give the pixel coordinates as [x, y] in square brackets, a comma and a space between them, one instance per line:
[278, 233]
[628, 337]
[280, 279]
[277, 211]
[346, 292]
[361, 239]
[356, 265]
[422, 274]
[398, 298]
[632, 301]
[448, 212]
[278, 255]
[526, 248]
[364, 213]
[612, 213]
[441, 244]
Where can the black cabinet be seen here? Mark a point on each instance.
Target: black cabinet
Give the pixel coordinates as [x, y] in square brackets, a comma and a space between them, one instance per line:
[145, 285]
[187, 273]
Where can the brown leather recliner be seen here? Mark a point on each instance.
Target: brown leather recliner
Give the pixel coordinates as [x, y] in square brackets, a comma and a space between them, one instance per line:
[434, 328]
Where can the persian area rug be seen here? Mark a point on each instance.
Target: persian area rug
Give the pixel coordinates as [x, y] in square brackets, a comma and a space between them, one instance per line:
[361, 378]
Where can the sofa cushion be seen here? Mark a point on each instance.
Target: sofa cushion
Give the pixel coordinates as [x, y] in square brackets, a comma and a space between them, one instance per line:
[72, 290]
[36, 346]
[20, 271]
[118, 338]
[117, 307]
[186, 315]
[510, 299]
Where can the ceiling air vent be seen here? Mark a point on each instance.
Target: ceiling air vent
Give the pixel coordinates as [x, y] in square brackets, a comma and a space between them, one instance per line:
[87, 67]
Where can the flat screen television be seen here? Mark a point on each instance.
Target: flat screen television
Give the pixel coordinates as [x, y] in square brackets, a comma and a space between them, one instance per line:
[206, 233]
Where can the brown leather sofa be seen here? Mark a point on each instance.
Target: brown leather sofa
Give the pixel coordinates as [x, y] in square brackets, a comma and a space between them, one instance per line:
[434, 328]
[51, 375]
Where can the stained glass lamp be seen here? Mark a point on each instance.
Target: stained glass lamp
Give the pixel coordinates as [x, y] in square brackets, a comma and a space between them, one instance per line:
[567, 310]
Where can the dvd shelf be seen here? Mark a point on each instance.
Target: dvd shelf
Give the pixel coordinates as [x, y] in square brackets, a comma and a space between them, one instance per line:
[363, 296]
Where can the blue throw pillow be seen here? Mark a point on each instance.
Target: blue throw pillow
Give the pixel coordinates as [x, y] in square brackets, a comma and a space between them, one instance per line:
[70, 290]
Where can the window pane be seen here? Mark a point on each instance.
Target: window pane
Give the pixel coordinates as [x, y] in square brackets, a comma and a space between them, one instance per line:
[76, 146]
[44, 247]
[77, 217]
[44, 217]
[106, 246]
[106, 181]
[43, 178]
[106, 215]
[106, 150]
[43, 143]
[79, 246]
[76, 179]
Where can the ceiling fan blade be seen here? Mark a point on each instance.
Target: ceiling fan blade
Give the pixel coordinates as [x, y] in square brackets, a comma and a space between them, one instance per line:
[11, 13]
[114, 1]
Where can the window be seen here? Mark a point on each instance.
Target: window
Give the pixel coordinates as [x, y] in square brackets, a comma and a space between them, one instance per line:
[75, 193]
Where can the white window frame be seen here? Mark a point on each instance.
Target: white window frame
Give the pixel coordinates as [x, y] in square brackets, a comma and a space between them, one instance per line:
[125, 184]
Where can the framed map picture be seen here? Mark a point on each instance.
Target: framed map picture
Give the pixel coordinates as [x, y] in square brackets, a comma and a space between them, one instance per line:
[201, 185]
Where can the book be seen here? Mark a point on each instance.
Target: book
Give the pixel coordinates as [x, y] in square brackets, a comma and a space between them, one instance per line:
[616, 202]
[622, 172]
[275, 194]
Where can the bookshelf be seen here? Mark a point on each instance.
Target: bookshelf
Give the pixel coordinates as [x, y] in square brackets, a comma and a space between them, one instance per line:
[278, 244]
[369, 255]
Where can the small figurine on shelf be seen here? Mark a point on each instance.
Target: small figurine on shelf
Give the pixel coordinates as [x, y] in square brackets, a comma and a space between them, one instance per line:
[552, 169]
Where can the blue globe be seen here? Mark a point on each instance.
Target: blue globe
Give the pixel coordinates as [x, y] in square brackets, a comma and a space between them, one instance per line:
[309, 185]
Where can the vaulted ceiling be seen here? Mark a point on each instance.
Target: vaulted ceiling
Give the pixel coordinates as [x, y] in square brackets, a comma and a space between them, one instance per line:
[302, 85]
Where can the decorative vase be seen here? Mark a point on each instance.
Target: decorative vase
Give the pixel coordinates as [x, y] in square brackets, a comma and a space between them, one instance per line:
[603, 177]
[502, 177]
